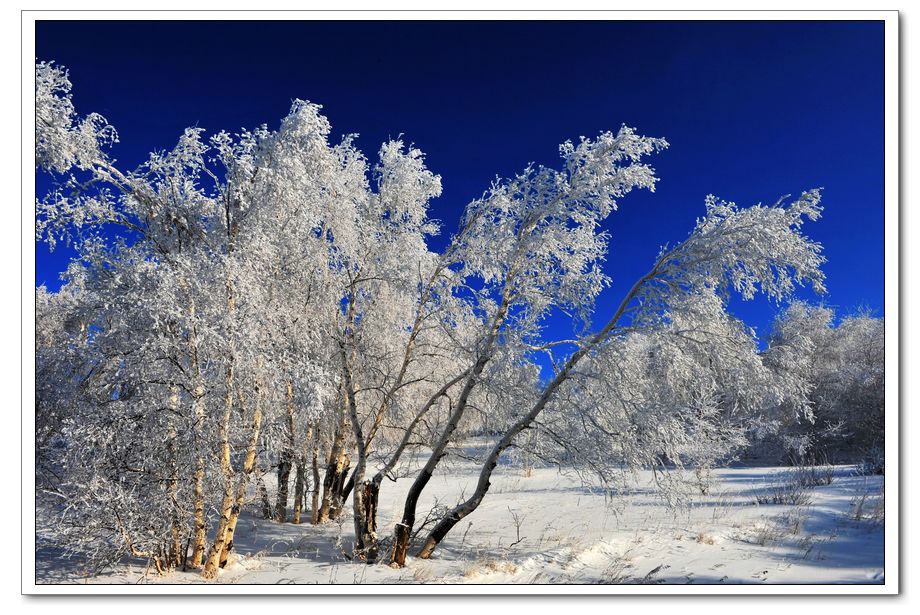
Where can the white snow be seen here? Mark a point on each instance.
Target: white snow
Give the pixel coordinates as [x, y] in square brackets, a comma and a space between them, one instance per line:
[573, 534]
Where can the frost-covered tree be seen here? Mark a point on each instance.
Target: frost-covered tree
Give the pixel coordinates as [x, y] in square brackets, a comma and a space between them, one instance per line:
[760, 248]
[533, 243]
[842, 369]
[261, 293]
[681, 394]
[62, 139]
[189, 272]
[269, 301]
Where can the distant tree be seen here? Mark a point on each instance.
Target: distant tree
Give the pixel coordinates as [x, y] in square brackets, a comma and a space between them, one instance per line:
[843, 370]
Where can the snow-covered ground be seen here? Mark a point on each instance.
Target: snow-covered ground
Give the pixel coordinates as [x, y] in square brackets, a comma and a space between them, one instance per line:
[548, 528]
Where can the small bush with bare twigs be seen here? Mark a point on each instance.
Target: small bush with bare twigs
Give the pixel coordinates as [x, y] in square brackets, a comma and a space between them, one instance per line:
[790, 493]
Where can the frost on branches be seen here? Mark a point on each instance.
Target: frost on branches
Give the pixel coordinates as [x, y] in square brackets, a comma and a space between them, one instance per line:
[256, 320]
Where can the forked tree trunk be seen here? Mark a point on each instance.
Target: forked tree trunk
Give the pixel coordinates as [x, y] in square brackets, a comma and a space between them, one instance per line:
[336, 471]
[347, 486]
[369, 510]
[368, 492]
[447, 523]
[404, 527]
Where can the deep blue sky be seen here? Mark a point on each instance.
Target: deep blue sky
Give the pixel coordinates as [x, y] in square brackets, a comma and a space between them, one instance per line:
[753, 111]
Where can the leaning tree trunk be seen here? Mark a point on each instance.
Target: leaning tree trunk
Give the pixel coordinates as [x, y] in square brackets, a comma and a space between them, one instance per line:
[367, 493]
[347, 486]
[372, 488]
[404, 528]
[482, 486]
[463, 509]
[227, 500]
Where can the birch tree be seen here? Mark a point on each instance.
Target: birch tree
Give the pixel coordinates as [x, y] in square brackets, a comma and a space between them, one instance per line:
[534, 244]
[269, 299]
[748, 250]
[841, 364]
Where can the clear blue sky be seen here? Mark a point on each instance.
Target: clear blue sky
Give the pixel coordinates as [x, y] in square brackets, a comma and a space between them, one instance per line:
[753, 111]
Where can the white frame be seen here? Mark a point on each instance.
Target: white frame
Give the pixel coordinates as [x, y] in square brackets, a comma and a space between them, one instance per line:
[892, 501]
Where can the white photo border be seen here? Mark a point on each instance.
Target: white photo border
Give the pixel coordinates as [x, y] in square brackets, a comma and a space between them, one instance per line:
[893, 551]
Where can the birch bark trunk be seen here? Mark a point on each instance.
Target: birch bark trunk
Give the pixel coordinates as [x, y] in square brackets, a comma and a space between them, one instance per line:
[198, 411]
[226, 467]
[226, 507]
[336, 471]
